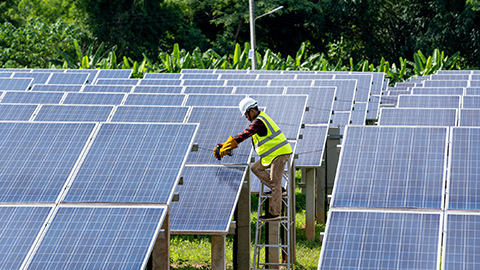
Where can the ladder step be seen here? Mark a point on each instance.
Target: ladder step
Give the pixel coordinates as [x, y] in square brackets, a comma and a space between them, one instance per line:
[272, 245]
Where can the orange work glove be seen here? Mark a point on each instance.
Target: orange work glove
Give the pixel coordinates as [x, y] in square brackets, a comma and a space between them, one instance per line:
[228, 145]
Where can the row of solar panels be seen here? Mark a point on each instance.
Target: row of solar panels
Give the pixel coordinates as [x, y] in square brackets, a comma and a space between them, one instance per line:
[400, 195]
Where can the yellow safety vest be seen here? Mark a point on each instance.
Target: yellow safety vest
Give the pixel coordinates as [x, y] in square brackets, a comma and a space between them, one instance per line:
[273, 144]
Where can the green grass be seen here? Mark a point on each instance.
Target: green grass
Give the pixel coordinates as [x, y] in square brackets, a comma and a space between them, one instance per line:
[188, 252]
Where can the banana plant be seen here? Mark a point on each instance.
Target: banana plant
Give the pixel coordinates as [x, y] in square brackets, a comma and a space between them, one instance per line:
[86, 60]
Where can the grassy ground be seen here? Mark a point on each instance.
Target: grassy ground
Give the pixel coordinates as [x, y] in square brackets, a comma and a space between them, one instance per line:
[193, 253]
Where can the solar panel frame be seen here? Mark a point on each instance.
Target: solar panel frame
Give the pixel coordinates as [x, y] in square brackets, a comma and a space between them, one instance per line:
[95, 88]
[446, 83]
[320, 103]
[158, 89]
[38, 77]
[114, 74]
[469, 118]
[68, 78]
[418, 117]
[204, 83]
[150, 114]
[73, 113]
[472, 91]
[358, 116]
[157, 76]
[24, 97]
[102, 81]
[15, 84]
[471, 102]
[253, 90]
[437, 91]
[17, 112]
[160, 82]
[310, 149]
[208, 89]
[56, 88]
[94, 98]
[429, 101]
[345, 93]
[223, 100]
[155, 99]
[364, 85]
[259, 83]
[373, 108]
[208, 197]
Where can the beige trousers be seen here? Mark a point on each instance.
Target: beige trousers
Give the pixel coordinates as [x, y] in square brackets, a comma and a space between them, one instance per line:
[273, 181]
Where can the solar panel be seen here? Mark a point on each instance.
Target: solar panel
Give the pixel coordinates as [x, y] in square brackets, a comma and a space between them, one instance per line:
[108, 88]
[16, 112]
[151, 114]
[216, 125]
[392, 167]
[208, 198]
[460, 248]
[377, 83]
[114, 74]
[464, 185]
[204, 82]
[251, 90]
[340, 120]
[68, 78]
[36, 159]
[311, 147]
[315, 76]
[94, 98]
[157, 76]
[5, 74]
[158, 89]
[51, 70]
[204, 76]
[381, 240]
[241, 76]
[454, 72]
[428, 101]
[160, 82]
[445, 84]
[364, 84]
[132, 163]
[469, 118]
[249, 83]
[15, 84]
[471, 102]
[288, 120]
[186, 70]
[20, 226]
[74, 113]
[345, 93]
[359, 114]
[57, 87]
[92, 73]
[32, 97]
[475, 76]
[296, 83]
[276, 76]
[388, 100]
[320, 103]
[155, 99]
[117, 81]
[214, 100]
[418, 117]
[450, 77]
[209, 89]
[472, 91]
[437, 91]
[38, 77]
[99, 237]
[373, 107]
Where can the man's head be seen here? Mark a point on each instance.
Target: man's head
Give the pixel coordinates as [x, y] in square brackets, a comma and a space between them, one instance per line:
[248, 107]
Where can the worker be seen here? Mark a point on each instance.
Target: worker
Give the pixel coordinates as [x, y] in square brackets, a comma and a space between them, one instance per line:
[271, 145]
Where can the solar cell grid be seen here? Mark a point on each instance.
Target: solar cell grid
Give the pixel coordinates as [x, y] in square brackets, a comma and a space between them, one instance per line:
[345, 93]
[418, 117]
[373, 107]
[15, 84]
[240, 76]
[36, 159]
[38, 77]
[207, 199]
[471, 102]
[68, 78]
[158, 89]
[94, 98]
[248, 83]
[310, 148]
[16, 112]
[32, 97]
[155, 99]
[5, 74]
[117, 81]
[160, 82]
[252, 90]
[204, 82]
[213, 100]
[276, 76]
[209, 89]
[132, 163]
[445, 83]
[381, 240]
[429, 101]
[57, 87]
[74, 113]
[364, 84]
[437, 91]
[359, 114]
[472, 91]
[186, 70]
[108, 88]
[196, 76]
[460, 248]
[320, 103]
[391, 167]
[450, 77]
[469, 118]
[315, 76]
[474, 83]
[297, 83]
[150, 114]
[114, 73]
[94, 238]
[475, 77]
[157, 76]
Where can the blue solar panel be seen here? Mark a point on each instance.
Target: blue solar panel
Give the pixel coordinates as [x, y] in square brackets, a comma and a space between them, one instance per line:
[418, 117]
[209, 89]
[231, 122]
[157, 76]
[359, 114]
[471, 102]
[117, 81]
[381, 240]
[469, 118]
[99, 238]
[214, 100]
[288, 120]
[320, 103]
[315, 76]
[455, 72]
[472, 91]
[340, 120]
[377, 83]
[428, 101]
[445, 83]
[92, 73]
[208, 198]
[437, 91]
[364, 84]
[94, 98]
[391, 167]
[294, 83]
[203, 76]
[150, 114]
[16, 84]
[160, 82]
[251, 90]
[310, 148]
[32, 97]
[16, 112]
[74, 113]
[5, 74]
[204, 82]
[155, 99]
[239, 76]
[186, 70]
[249, 83]
[345, 93]
[38, 77]
[51, 70]
[373, 107]
[464, 182]
[37, 158]
[158, 89]
[475, 77]
[108, 88]
[68, 78]
[57, 87]
[450, 77]
[133, 163]
[20, 226]
[461, 249]
[114, 73]
[276, 76]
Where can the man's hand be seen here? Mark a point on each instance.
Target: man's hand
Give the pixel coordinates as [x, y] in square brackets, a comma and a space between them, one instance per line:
[216, 151]
[228, 145]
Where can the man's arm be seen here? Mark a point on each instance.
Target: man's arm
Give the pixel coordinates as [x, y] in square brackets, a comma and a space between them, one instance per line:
[257, 126]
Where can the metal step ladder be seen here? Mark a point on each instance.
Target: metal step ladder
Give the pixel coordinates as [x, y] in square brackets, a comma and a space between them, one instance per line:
[278, 248]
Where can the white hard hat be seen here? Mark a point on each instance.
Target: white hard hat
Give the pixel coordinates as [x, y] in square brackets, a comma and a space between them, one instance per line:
[246, 104]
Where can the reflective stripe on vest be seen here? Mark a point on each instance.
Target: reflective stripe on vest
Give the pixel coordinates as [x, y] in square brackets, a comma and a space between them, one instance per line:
[271, 145]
